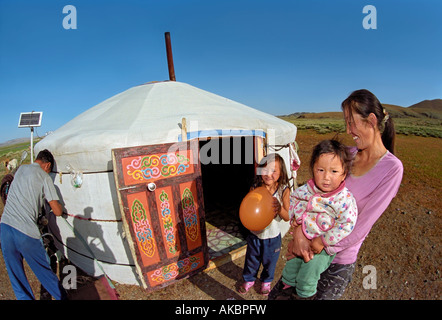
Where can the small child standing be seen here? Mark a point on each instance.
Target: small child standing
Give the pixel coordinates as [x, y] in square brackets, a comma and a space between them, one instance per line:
[326, 211]
[263, 247]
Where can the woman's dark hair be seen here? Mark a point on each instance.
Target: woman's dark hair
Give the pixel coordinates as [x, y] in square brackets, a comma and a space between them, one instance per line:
[363, 102]
[335, 147]
[46, 156]
[283, 177]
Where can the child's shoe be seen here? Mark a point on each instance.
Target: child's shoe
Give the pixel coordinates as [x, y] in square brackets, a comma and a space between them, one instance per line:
[245, 287]
[265, 288]
[281, 291]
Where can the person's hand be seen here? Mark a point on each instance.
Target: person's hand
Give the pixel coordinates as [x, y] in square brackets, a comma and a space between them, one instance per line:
[276, 206]
[290, 255]
[300, 245]
[317, 245]
[56, 207]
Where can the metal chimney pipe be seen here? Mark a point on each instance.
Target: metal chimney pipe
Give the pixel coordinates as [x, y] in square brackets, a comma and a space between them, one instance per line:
[169, 57]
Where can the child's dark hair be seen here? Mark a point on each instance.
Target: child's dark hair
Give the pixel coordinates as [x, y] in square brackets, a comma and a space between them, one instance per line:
[335, 147]
[46, 156]
[283, 177]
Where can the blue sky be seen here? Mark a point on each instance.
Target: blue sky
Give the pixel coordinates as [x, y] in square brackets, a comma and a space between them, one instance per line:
[276, 56]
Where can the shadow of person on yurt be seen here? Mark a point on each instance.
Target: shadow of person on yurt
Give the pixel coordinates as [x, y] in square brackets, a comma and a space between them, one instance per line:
[124, 256]
[87, 244]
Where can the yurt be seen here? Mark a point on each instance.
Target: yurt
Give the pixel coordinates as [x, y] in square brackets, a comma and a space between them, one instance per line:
[152, 178]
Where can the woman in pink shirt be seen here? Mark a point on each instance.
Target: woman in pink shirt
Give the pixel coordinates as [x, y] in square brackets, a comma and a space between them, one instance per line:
[374, 180]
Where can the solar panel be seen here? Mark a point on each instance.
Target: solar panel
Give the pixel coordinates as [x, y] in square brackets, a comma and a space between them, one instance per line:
[30, 119]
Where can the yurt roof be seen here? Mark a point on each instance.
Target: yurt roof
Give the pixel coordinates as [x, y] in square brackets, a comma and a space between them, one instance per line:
[151, 114]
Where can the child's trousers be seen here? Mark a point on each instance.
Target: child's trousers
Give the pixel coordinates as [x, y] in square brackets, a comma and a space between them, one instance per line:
[16, 246]
[265, 251]
[305, 276]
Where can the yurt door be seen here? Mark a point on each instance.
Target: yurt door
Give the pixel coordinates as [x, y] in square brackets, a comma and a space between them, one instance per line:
[161, 201]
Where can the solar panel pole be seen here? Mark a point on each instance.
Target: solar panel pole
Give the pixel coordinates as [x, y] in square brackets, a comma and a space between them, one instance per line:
[32, 144]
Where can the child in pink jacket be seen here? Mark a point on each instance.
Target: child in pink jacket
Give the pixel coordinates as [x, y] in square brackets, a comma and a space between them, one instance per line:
[327, 212]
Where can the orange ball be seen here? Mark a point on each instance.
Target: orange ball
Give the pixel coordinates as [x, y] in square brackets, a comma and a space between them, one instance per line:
[256, 211]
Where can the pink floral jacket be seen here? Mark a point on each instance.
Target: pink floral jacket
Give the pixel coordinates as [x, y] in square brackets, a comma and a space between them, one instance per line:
[329, 215]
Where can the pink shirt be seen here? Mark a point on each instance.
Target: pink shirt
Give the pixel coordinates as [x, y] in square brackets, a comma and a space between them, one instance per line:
[373, 192]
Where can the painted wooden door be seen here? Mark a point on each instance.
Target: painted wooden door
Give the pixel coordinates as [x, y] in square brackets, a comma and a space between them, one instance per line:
[161, 201]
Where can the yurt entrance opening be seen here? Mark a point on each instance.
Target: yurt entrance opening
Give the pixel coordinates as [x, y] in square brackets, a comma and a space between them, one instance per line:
[227, 168]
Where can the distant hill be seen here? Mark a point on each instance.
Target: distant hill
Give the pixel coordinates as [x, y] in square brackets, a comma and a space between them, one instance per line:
[14, 141]
[435, 104]
[312, 115]
[428, 108]
[424, 109]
